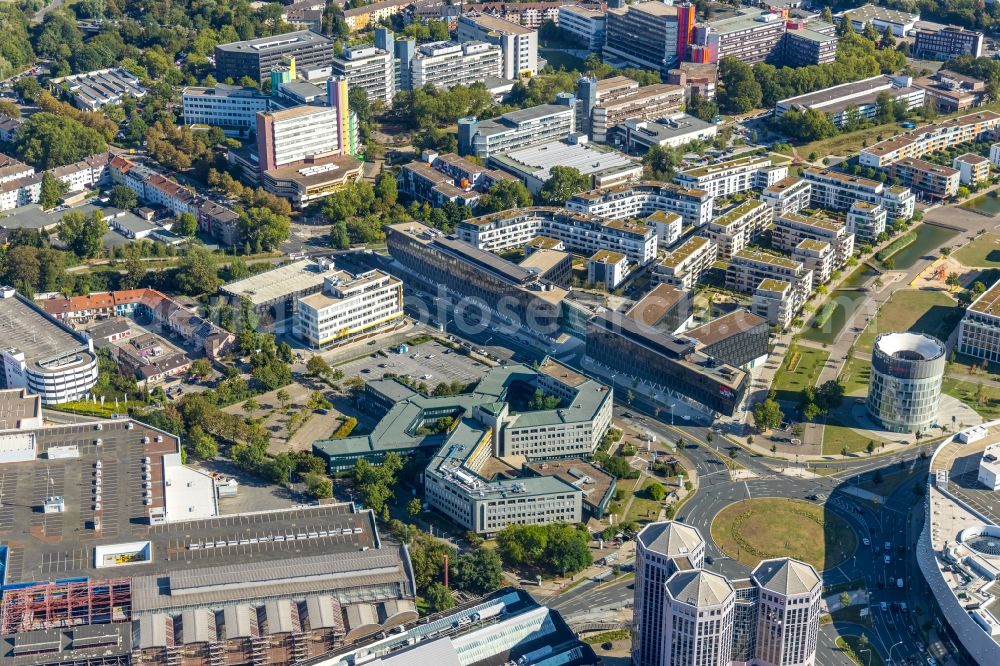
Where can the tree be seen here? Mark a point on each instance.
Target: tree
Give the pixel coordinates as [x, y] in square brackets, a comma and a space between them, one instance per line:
[871, 447]
[317, 366]
[283, 398]
[202, 444]
[977, 288]
[827, 14]
[386, 190]
[870, 33]
[768, 414]
[414, 507]
[479, 572]
[263, 229]
[438, 596]
[52, 191]
[569, 549]
[563, 182]
[197, 272]
[656, 492]
[734, 451]
[701, 108]
[845, 599]
[740, 90]
[201, 368]
[123, 198]
[505, 195]
[83, 234]
[629, 396]
[186, 225]
[250, 406]
[888, 41]
[47, 140]
[318, 486]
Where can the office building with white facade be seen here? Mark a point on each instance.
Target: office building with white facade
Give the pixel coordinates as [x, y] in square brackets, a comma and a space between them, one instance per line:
[447, 64]
[293, 135]
[855, 101]
[370, 69]
[585, 234]
[518, 44]
[684, 615]
[349, 307]
[233, 108]
[733, 176]
[834, 190]
[645, 198]
[979, 331]
[516, 130]
[584, 25]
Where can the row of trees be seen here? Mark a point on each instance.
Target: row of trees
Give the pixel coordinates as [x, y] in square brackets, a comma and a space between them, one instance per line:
[556, 548]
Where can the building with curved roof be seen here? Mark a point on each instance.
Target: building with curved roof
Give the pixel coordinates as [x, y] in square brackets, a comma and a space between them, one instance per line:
[699, 610]
[905, 386]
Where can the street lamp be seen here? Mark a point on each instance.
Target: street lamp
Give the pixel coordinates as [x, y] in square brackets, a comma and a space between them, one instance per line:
[891, 649]
[672, 412]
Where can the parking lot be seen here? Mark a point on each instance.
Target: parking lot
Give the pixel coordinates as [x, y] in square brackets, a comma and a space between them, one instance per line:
[430, 362]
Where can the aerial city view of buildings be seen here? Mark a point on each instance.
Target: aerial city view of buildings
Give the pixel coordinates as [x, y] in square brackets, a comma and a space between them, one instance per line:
[413, 332]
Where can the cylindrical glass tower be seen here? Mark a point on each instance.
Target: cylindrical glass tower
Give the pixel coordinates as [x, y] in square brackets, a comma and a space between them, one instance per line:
[905, 386]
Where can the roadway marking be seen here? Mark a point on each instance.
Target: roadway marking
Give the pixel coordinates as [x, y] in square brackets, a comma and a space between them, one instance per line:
[749, 496]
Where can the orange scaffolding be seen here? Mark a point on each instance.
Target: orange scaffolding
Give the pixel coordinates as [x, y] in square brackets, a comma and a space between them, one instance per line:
[57, 605]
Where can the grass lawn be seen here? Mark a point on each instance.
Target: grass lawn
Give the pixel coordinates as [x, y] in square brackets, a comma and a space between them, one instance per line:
[557, 59]
[839, 435]
[756, 529]
[966, 392]
[983, 252]
[932, 312]
[846, 144]
[856, 375]
[643, 509]
[800, 369]
[851, 645]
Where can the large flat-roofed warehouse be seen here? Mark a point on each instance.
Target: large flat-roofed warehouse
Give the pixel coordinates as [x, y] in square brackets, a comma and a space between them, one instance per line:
[114, 553]
[41, 354]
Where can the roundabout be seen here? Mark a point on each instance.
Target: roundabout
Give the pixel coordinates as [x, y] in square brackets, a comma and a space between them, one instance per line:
[756, 529]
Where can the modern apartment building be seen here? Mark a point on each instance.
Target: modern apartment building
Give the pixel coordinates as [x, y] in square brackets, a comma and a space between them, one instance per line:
[359, 18]
[817, 256]
[791, 229]
[257, 57]
[661, 550]
[293, 135]
[834, 190]
[447, 64]
[608, 269]
[979, 332]
[668, 227]
[733, 176]
[931, 180]
[931, 138]
[753, 35]
[233, 108]
[649, 35]
[518, 129]
[788, 195]
[643, 199]
[749, 268]
[947, 43]
[739, 226]
[578, 232]
[584, 25]
[866, 221]
[529, 14]
[772, 300]
[684, 265]
[519, 45]
[370, 69]
[350, 306]
[972, 169]
[857, 101]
